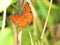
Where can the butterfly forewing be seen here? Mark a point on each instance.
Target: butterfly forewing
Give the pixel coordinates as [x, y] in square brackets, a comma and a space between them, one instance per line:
[26, 8]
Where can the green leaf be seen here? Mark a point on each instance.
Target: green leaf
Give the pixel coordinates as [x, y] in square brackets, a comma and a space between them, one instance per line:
[42, 12]
[25, 37]
[6, 37]
[4, 4]
[58, 43]
[13, 1]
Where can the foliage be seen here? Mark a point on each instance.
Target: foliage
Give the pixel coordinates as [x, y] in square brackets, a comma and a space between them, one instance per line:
[51, 35]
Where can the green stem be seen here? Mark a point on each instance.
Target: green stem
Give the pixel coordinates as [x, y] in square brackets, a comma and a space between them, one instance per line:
[46, 20]
[16, 7]
[30, 36]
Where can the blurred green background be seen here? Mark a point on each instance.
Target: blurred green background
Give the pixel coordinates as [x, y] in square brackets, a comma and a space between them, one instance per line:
[52, 33]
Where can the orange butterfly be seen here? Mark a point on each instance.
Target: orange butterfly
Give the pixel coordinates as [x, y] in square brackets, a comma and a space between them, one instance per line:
[23, 19]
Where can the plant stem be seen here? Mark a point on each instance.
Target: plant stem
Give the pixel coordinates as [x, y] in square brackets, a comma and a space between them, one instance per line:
[4, 18]
[34, 17]
[15, 33]
[19, 37]
[46, 20]
[30, 36]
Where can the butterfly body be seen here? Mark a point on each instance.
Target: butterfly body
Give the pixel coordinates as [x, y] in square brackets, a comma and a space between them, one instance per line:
[23, 18]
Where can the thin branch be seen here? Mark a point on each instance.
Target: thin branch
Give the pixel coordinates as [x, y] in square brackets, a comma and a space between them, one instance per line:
[46, 20]
[15, 6]
[15, 33]
[30, 36]
[4, 18]
[20, 37]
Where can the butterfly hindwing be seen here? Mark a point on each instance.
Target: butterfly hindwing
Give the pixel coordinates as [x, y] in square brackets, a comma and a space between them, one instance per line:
[21, 22]
[28, 17]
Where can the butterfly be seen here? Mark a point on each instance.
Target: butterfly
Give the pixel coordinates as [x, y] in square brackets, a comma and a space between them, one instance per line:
[24, 18]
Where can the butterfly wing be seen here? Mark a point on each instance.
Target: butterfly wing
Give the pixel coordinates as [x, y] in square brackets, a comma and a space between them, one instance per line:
[28, 17]
[22, 19]
[18, 19]
[26, 8]
[21, 22]
[14, 17]
[27, 13]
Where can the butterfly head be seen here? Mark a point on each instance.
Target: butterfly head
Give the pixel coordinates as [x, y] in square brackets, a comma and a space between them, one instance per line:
[20, 13]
